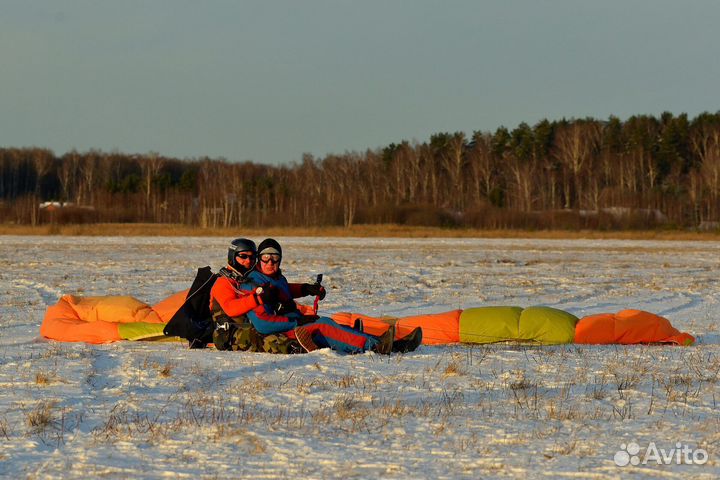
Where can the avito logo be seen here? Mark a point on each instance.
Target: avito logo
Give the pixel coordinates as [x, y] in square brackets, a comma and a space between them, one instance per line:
[631, 454]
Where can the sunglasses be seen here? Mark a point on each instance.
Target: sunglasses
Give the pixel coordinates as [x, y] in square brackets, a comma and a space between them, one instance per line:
[270, 258]
[244, 256]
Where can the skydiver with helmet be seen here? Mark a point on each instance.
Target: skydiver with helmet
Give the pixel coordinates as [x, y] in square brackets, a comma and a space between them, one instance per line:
[282, 317]
[229, 303]
[253, 309]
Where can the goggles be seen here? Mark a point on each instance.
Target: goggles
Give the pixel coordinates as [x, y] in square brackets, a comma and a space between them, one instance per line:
[270, 258]
[244, 256]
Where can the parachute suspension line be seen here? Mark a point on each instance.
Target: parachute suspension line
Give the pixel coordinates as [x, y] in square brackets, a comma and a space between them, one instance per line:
[200, 288]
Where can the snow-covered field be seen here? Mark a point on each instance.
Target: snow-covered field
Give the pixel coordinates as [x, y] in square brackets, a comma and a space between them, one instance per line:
[152, 410]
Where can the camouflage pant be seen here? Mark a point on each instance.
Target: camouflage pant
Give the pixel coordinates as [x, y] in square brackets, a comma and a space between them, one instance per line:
[279, 343]
[244, 337]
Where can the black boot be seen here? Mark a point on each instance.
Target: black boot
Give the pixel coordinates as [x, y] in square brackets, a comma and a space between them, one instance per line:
[385, 342]
[409, 342]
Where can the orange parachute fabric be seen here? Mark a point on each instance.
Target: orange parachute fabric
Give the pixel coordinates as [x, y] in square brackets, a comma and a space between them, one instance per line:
[438, 328]
[99, 319]
[113, 318]
[629, 327]
[62, 322]
[165, 309]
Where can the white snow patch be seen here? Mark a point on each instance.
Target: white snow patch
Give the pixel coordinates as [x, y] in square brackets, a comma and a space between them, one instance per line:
[155, 410]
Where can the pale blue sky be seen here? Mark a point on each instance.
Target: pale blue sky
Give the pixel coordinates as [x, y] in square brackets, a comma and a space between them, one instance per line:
[268, 80]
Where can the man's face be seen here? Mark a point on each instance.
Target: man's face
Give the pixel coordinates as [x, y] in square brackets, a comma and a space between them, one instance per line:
[245, 258]
[269, 263]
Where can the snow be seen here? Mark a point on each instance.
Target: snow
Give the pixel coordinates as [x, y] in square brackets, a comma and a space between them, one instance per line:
[157, 410]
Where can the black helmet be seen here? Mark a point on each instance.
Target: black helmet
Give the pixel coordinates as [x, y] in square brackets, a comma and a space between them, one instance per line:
[270, 245]
[241, 245]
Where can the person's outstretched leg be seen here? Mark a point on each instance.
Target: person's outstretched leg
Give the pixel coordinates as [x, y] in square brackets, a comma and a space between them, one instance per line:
[326, 333]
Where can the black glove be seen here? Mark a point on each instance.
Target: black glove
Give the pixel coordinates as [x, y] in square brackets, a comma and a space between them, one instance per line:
[305, 319]
[287, 306]
[267, 293]
[313, 289]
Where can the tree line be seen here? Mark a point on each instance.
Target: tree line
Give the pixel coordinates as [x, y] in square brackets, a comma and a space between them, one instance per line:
[579, 173]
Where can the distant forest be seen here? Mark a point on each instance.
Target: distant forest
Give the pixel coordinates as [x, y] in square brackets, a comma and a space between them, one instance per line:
[645, 172]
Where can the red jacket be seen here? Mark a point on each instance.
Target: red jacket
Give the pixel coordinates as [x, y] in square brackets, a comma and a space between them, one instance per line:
[235, 302]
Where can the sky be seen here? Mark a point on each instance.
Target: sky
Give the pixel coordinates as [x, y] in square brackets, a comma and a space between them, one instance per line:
[269, 80]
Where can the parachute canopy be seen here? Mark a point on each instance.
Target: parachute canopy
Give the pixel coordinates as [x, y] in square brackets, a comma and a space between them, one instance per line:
[108, 319]
[629, 327]
[113, 318]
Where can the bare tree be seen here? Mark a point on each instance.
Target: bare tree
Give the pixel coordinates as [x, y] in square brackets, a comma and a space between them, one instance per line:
[43, 162]
[483, 168]
[576, 143]
[68, 174]
[87, 167]
[150, 165]
[710, 170]
[522, 173]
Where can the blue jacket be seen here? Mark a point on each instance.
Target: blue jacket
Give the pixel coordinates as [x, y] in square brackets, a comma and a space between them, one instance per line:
[266, 317]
